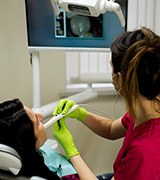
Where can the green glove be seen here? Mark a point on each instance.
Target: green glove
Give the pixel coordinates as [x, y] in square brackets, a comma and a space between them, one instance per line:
[62, 134]
[64, 106]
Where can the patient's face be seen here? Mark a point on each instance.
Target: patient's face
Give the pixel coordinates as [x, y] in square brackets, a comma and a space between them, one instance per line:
[39, 129]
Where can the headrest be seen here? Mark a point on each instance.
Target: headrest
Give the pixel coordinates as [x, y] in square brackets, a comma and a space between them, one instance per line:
[9, 159]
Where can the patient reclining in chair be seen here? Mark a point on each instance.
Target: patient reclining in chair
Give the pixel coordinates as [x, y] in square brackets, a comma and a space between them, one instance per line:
[23, 130]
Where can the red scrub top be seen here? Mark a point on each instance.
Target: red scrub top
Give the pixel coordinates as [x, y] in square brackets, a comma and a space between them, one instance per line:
[139, 156]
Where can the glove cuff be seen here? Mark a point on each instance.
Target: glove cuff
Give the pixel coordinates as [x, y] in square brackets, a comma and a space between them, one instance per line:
[72, 153]
[83, 114]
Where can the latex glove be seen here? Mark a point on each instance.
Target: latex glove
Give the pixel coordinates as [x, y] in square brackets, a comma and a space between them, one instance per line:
[64, 137]
[64, 106]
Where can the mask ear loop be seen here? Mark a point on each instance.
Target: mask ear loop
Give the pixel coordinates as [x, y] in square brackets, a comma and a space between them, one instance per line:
[115, 75]
[119, 89]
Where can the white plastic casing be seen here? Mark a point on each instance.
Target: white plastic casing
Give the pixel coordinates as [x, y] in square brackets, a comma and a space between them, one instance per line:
[59, 116]
[9, 159]
[92, 7]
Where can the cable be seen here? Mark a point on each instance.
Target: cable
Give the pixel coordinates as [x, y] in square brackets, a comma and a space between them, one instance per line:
[95, 109]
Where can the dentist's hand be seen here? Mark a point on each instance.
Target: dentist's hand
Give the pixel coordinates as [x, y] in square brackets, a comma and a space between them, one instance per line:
[64, 106]
[63, 135]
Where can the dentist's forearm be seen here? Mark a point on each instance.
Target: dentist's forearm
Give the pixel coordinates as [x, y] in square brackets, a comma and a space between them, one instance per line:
[99, 125]
[82, 169]
[105, 127]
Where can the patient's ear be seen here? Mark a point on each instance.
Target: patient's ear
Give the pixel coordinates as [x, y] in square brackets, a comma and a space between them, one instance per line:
[37, 144]
[40, 116]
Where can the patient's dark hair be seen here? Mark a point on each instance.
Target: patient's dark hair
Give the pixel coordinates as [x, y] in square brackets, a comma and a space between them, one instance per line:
[16, 130]
[136, 55]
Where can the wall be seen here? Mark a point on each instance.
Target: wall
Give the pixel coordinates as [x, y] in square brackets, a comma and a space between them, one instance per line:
[15, 66]
[15, 70]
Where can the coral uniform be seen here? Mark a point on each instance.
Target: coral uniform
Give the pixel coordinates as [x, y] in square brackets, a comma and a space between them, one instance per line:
[139, 156]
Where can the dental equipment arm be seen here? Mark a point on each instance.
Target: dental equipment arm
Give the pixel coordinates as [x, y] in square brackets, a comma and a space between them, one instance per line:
[89, 7]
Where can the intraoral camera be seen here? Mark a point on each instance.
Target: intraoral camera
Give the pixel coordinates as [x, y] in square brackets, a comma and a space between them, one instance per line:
[89, 7]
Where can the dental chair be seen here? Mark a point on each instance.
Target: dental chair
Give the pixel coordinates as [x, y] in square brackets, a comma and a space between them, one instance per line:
[10, 162]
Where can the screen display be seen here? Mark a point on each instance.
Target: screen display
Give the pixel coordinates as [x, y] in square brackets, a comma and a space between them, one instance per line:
[70, 30]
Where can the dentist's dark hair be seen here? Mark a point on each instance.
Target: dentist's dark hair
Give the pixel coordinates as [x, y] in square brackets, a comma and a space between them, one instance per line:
[16, 131]
[136, 55]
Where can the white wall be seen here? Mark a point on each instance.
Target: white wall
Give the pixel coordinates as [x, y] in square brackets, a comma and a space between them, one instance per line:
[15, 70]
[15, 67]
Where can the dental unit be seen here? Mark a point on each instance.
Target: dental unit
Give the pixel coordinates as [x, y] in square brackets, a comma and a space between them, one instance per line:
[89, 7]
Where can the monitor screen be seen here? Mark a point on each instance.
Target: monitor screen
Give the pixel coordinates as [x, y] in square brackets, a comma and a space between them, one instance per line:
[68, 30]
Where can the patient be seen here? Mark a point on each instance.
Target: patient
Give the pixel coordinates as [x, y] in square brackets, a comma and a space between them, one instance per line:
[23, 130]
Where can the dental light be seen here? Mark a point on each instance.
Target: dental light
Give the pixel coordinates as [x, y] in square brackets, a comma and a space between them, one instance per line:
[89, 7]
